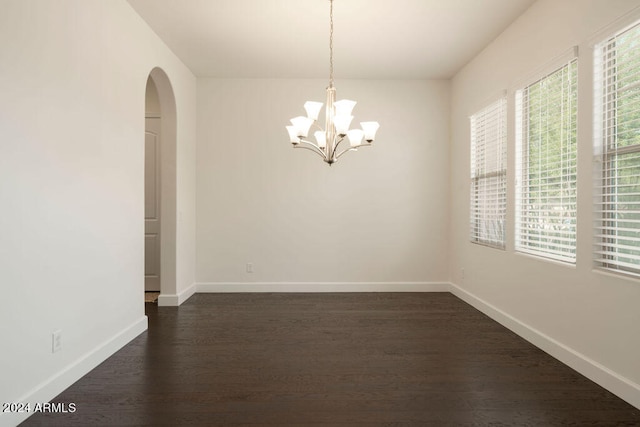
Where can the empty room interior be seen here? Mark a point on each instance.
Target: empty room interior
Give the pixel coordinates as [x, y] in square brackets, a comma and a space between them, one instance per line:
[146, 148]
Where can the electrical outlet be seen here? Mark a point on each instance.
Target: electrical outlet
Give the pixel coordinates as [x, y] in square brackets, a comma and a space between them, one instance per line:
[56, 341]
[249, 267]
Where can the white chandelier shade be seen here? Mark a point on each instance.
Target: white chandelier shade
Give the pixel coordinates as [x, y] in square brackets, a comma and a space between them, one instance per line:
[338, 119]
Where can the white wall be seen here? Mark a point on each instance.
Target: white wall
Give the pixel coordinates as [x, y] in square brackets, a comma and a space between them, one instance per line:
[72, 80]
[377, 215]
[152, 100]
[586, 318]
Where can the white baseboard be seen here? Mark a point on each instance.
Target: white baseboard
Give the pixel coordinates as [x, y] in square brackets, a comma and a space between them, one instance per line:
[223, 287]
[615, 383]
[175, 300]
[72, 373]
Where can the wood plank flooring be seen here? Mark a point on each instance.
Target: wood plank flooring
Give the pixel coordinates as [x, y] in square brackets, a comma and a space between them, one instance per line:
[414, 359]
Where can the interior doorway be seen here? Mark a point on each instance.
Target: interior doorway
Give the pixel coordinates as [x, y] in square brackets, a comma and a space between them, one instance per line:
[152, 191]
[160, 203]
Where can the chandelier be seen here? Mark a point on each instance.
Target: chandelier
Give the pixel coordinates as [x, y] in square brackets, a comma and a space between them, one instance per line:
[337, 121]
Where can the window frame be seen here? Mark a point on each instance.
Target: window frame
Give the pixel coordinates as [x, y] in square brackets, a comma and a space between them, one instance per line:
[524, 236]
[607, 154]
[495, 114]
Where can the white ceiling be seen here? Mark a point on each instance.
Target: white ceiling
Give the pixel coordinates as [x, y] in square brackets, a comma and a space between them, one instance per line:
[373, 39]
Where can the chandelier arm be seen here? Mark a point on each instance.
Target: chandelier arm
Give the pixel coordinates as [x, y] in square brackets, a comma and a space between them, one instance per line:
[351, 148]
[312, 144]
[335, 148]
[312, 147]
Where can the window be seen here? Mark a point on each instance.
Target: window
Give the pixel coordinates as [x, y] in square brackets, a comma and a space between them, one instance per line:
[546, 113]
[488, 174]
[617, 133]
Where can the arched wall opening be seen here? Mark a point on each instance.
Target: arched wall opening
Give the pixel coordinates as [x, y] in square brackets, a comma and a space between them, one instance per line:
[167, 184]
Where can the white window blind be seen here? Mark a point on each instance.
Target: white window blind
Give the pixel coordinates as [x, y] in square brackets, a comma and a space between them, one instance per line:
[617, 135]
[546, 113]
[488, 175]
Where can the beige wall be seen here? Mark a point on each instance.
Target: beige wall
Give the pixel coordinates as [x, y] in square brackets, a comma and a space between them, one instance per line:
[73, 80]
[152, 100]
[377, 215]
[587, 318]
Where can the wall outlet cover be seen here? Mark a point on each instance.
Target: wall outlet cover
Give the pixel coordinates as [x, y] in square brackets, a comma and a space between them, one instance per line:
[56, 341]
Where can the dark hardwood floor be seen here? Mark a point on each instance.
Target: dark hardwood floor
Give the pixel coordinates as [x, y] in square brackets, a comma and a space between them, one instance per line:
[423, 359]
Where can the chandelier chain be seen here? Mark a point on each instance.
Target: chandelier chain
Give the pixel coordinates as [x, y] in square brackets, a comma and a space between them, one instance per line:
[331, 43]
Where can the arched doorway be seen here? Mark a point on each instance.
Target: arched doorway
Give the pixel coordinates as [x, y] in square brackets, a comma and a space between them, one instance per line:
[160, 185]
[152, 191]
